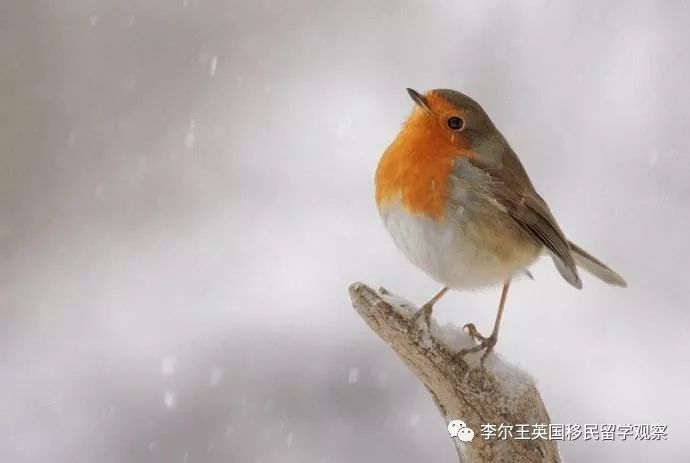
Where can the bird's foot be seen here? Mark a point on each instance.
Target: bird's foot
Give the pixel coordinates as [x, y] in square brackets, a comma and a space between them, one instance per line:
[474, 333]
[484, 343]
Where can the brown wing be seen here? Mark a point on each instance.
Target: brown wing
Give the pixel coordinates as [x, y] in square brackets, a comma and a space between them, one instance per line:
[533, 215]
[513, 189]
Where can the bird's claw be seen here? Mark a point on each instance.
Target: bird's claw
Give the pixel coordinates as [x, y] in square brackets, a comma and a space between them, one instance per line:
[474, 333]
[485, 343]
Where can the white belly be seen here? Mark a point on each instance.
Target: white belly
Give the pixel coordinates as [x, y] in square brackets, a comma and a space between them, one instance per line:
[448, 252]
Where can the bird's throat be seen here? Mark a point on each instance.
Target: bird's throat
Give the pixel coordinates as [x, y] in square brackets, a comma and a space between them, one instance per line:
[415, 170]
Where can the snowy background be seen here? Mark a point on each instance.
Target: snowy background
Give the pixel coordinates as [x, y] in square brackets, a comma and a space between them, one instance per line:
[185, 187]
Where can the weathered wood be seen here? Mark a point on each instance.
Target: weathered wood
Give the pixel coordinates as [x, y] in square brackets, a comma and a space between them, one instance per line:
[497, 394]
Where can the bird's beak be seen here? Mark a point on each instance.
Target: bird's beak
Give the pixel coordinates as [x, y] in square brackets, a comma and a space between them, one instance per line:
[418, 98]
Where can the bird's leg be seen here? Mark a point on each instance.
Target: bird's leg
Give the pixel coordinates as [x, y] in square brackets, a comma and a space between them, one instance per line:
[427, 308]
[486, 343]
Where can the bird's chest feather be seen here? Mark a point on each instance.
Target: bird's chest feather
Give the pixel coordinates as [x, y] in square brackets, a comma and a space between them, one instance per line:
[460, 250]
[438, 247]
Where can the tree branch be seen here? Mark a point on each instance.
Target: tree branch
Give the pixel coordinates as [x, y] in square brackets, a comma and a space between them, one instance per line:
[497, 394]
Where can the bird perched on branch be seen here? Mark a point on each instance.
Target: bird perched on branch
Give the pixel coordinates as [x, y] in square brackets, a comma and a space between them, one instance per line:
[458, 202]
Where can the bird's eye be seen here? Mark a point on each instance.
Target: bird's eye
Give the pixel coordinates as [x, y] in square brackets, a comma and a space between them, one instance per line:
[456, 123]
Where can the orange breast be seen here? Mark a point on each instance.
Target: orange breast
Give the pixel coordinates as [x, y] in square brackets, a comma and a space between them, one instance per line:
[416, 168]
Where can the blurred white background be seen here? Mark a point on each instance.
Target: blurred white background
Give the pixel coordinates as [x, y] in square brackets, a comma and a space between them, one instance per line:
[186, 191]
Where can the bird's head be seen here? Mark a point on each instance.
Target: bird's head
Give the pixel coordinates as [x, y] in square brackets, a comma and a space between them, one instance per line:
[449, 120]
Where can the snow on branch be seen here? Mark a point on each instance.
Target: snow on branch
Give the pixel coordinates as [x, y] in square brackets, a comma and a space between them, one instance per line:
[497, 394]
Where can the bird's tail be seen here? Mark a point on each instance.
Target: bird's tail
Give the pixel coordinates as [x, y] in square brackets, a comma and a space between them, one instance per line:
[591, 264]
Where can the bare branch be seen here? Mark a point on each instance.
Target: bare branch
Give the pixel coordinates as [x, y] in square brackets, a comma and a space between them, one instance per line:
[500, 393]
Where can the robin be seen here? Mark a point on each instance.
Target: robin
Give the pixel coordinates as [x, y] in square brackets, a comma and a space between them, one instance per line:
[460, 205]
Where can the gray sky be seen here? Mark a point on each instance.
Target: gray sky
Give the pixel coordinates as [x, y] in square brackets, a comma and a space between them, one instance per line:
[186, 191]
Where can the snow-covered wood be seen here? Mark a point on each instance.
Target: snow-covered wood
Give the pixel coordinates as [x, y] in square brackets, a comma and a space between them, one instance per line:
[497, 394]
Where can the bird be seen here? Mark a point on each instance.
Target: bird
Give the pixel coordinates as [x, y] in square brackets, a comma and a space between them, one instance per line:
[459, 204]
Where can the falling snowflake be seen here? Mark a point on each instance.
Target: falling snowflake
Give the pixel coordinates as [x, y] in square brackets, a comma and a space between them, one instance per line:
[213, 66]
[413, 420]
[353, 376]
[190, 136]
[169, 399]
